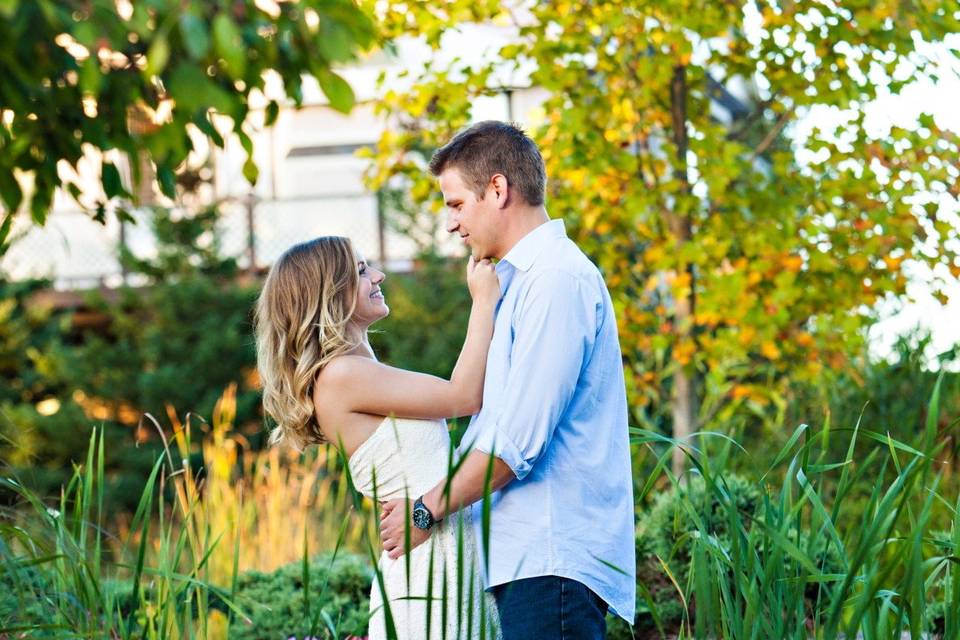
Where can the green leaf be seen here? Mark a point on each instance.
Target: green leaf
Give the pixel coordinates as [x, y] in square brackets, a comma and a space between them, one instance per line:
[86, 34]
[334, 42]
[272, 112]
[90, 77]
[123, 215]
[250, 171]
[5, 231]
[40, 204]
[203, 123]
[110, 177]
[167, 180]
[7, 9]
[140, 20]
[229, 46]
[157, 56]
[196, 40]
[10, 190]
[337, 90]
[192, 89]
[74, 190]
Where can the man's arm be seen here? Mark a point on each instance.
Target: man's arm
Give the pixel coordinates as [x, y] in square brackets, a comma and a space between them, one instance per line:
[555, 332]
[466, 487]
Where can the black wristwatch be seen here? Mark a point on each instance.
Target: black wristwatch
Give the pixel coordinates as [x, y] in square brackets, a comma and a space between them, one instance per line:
[422, 518]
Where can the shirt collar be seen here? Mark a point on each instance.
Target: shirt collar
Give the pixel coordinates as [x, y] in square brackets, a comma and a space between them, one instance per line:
[525, 252]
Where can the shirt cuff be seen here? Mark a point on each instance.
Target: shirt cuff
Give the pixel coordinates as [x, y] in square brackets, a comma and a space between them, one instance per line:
[491, 440]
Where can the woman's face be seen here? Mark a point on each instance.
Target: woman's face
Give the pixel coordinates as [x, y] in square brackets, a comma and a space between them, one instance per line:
[370, 302]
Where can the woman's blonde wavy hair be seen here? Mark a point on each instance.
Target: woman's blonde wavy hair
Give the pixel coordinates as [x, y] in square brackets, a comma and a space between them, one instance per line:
[300, 323]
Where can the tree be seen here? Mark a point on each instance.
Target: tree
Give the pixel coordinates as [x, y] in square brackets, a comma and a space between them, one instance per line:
[736, 269]
[137, 77]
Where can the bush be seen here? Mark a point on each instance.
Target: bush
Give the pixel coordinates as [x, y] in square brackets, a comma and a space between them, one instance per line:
[669, 529]
[179, 344]
[21, 591]
[339, 589]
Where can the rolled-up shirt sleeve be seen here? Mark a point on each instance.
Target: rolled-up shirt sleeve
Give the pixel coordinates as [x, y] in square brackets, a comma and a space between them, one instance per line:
[555, 327]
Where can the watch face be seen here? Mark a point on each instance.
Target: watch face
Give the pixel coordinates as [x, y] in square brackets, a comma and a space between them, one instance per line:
[421, 518]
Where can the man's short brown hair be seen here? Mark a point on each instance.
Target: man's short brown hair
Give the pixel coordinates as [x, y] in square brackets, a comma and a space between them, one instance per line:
[490, 147]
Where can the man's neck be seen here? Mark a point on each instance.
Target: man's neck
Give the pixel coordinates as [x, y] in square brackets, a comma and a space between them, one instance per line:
[523, 222]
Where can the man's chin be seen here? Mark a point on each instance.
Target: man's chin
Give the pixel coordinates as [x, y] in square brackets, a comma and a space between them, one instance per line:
[479, 255]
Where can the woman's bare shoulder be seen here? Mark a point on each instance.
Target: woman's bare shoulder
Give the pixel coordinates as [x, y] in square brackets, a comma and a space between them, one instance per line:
[345, 369]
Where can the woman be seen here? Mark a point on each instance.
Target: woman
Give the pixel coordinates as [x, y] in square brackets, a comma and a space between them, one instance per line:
[323, 383]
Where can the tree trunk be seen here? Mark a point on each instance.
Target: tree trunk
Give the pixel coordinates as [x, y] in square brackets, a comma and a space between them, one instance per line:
[143, 174]
[685, 403]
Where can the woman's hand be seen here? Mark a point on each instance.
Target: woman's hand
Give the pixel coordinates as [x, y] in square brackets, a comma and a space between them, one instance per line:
[482, 281]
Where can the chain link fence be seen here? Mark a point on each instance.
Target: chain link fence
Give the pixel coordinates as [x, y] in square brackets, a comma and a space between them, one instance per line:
[76, 252]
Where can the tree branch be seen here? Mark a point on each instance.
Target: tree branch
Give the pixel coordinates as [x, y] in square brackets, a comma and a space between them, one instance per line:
[773, 133]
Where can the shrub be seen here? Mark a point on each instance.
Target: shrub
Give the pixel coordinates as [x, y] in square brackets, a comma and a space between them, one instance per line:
[337, 596]
[668, 531]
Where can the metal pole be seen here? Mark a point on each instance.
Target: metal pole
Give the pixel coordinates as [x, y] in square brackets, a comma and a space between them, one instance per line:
[251, 235]
[381, 227]
[123, 245]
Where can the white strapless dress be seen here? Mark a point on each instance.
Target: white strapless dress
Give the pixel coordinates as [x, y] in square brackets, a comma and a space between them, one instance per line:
[436, 591]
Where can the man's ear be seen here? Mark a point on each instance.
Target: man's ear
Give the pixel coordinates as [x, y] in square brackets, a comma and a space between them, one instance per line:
[501, 189]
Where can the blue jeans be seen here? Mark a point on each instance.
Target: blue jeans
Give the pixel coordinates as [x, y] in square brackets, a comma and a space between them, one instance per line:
[550, 608]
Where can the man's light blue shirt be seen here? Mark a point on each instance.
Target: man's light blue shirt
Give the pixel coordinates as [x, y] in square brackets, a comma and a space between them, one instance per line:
[555, 411]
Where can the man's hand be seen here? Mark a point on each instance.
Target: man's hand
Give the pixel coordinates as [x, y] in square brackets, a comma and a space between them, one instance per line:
[395, 520]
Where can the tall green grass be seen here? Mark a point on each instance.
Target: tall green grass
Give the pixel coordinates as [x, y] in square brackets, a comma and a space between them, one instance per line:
[172, 570]
[54, 564]
[835, 546]
[766, 577]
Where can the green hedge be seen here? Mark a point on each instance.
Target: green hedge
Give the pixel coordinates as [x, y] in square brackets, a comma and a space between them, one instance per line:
[180, 342]
[336, 591]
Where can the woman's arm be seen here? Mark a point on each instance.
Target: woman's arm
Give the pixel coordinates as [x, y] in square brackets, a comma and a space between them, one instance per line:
[363, 385]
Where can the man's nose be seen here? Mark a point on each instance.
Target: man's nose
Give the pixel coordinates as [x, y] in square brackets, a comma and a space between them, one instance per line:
[453, 222]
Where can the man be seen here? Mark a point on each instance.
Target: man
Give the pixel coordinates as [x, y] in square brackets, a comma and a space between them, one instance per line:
[554, 415]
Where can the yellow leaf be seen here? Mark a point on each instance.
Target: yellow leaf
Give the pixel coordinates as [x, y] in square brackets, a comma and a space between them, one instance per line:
[769, 350]
[793, 263]
[740, 391]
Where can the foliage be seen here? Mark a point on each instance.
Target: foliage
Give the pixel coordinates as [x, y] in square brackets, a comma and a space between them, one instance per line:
[64, 585]
[669, 532]
[270, 507]
[281, 605]
[138, 77]
[60, 561]
[188, 245]
[22, 333]
[781, 552]
[886, 392]
[735, 268]
[809, 560]
[178, 342]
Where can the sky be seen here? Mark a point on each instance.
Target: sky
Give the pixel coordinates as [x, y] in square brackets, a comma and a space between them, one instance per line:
[942, 100]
